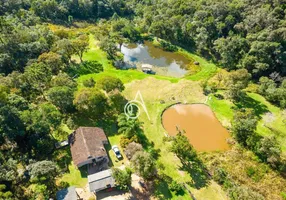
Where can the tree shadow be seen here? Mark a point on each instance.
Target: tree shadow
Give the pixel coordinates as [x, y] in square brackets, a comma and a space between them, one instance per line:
[83, 171]
[248, 102]
[162, 190]
[198, 173]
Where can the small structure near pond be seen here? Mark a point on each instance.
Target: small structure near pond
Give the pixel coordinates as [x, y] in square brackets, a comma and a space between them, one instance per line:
[146, 68]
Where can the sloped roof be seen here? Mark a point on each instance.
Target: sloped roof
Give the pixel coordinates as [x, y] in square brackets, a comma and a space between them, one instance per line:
[87, 142]
[100, 180]
[67, 194]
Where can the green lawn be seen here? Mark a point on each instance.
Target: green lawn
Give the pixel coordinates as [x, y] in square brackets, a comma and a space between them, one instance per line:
[75, 177]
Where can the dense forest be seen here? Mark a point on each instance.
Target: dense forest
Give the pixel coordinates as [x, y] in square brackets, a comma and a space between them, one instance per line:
[39, 93]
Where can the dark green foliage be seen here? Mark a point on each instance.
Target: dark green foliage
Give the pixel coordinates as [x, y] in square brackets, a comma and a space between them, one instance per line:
[122, 177]
[4, 194]
[91, 102]
[89, 83]
[220, 175]
[110, 83]
[62, 97]
[244, 126]
[167, 46]
[269, 151]
[129, 127]
[237, 81]
[11, 125]
[86, 67]
[272, 91]
[176, 187]
[144, 164]
[183, 149]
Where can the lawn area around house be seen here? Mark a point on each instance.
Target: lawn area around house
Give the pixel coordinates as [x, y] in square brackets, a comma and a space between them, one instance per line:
[75, 177]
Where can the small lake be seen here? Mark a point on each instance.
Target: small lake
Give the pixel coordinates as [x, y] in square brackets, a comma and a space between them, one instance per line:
[163, 62]
[201, 126]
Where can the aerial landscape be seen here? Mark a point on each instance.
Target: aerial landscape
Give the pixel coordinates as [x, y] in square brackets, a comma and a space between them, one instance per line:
[143, 99]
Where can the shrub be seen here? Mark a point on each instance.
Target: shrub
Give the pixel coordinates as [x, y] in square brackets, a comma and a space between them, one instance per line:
[89, 83]
[124, 141]
[176, 187]
[132, 148]
[220, 175]
[243, 193]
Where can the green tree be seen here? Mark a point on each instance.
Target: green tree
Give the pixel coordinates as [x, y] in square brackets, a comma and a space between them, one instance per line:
[91, 102]
[270, 151]
[65, 48]
[144, 164]
[244, 125]
[62, 97]
[231, 50]
[109, 83]
[128, 127]
[122, 177]
[237, 81]
[43, 170]
[53, 60]
[183, 149]
[80, 45]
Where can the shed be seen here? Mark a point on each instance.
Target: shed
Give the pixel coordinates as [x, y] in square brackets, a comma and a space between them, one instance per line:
[101, 180]
[147, 67]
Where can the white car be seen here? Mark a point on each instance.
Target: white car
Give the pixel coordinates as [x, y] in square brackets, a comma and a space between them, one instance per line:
[116, 151]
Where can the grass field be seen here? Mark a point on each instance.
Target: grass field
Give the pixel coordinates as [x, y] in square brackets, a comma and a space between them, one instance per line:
[157, 89]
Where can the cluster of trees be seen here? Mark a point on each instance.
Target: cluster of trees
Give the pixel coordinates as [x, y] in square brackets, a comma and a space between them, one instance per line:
[65, 11]
[273, 91]
[237, 34]
[266, 148]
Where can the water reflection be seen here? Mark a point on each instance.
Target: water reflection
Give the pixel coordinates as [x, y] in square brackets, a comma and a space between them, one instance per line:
[165, 63]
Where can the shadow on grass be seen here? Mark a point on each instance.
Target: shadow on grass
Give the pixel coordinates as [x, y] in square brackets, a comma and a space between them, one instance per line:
[108, 148]
[198, 173]
[83, 171]
[248, 102]
[162, 190]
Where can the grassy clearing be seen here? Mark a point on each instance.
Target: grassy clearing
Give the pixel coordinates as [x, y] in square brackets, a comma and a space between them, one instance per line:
[277, 127]
[184, 91]
[208, 69]
[75, 177]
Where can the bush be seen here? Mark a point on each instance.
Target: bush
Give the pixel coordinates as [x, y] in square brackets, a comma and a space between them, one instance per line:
[109, 83]
[132, 148]
[243, 193]
[124, 141]
[176, 187]
[220, 176]
[89, 83]
[167, 46]
[122, 177]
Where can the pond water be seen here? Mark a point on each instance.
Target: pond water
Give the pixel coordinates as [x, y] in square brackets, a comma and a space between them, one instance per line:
[164, 62]
[201, 126]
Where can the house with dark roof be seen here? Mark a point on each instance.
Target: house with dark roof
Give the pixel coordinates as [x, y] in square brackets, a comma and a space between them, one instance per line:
[87, 146]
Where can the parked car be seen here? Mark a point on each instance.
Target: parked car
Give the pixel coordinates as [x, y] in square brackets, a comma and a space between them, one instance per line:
[116, 151]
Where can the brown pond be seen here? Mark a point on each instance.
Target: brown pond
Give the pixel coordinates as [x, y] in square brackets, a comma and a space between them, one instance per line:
[201, 126]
